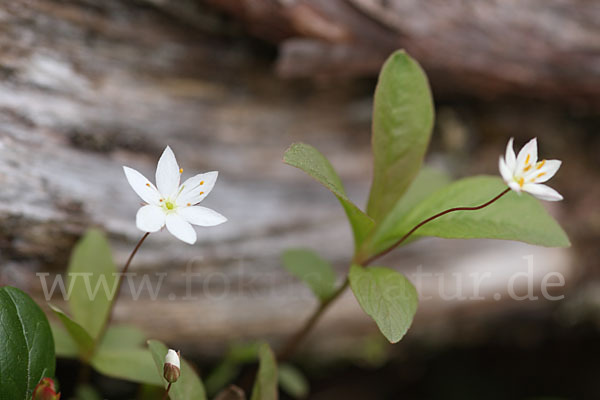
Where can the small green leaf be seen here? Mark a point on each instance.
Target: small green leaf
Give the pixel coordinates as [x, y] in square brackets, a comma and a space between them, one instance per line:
[309, 267]
[293, 382]
[265, 387]
[513, 217]
[92, 274]
[132, 364]
[311, 161]
[189, 385]
[26, 345]
[64, 345]
[402, 123]
[84, 342]
[387, 297]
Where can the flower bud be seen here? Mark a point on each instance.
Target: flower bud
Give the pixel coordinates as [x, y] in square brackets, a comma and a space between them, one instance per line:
[172, 369]
[45, 390]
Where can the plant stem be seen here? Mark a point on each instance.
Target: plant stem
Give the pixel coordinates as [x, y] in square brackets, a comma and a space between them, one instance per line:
[305, 329]
[420, 224]
[118, 289]
[167, 392]
[299, 336]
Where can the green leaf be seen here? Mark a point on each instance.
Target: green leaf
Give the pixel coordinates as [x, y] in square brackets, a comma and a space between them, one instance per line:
[85, 343]
[387, 297]
[265, 387]
[402, 123]
[428, 181]
[189, 385]
[133, 364]
[311, 161]
[513, 217]
[309, 267]
[92, 274]
[64, 345]
[26, 345]
[293, 382]
[123, 337]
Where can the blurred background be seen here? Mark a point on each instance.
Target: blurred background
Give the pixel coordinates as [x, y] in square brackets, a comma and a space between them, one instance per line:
[88, 86]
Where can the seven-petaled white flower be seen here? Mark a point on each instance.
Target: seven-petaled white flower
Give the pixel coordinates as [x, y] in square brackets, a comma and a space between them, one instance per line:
[525, 173]
[173, 205]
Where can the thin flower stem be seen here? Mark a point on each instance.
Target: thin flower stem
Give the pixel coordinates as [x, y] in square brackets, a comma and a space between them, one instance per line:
[420, 224]
[119, 284]
[305, 329]
[166, 396]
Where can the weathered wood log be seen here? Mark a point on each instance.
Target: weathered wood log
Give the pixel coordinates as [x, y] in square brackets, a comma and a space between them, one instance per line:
[88, 87]
[536, 48]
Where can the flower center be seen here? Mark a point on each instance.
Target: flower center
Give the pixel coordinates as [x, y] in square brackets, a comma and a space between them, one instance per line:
[169, 205]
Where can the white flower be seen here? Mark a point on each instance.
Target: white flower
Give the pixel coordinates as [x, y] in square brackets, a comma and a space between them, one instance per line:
[173, 205]
[525, 173]
[172, 358]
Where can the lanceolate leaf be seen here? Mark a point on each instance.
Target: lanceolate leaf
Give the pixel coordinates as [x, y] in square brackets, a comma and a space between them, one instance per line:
[311, 161]
[513, 217]
[120, 354]
[189, 385]
[387, 297]
[83, 340]
[26, 345]
[265, 387]
[64, 344]
[132, 364]
[312, 269]
[92, 273]
[402, 123]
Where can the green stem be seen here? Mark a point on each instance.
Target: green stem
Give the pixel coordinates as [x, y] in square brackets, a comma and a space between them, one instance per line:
[305, 329]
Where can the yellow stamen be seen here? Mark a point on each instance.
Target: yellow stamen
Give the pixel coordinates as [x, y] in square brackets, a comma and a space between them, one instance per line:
[161, 200]
[541, 174]
[180, 170]
[202, 183]
[527, 168]
[201, 193]
[189, 204]
[540, 164]
[147, 184]
[521, 182]
[527, 159]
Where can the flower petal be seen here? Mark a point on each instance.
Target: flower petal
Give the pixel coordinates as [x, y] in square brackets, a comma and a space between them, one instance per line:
[150, 218]
[167, 173]
[201, 216]
[542, 192]
[196, 188]
[514, 186]
[510, 158]
[181, 229]
[142, 186]
[545, 172]
[504, 170]
[527, 156]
